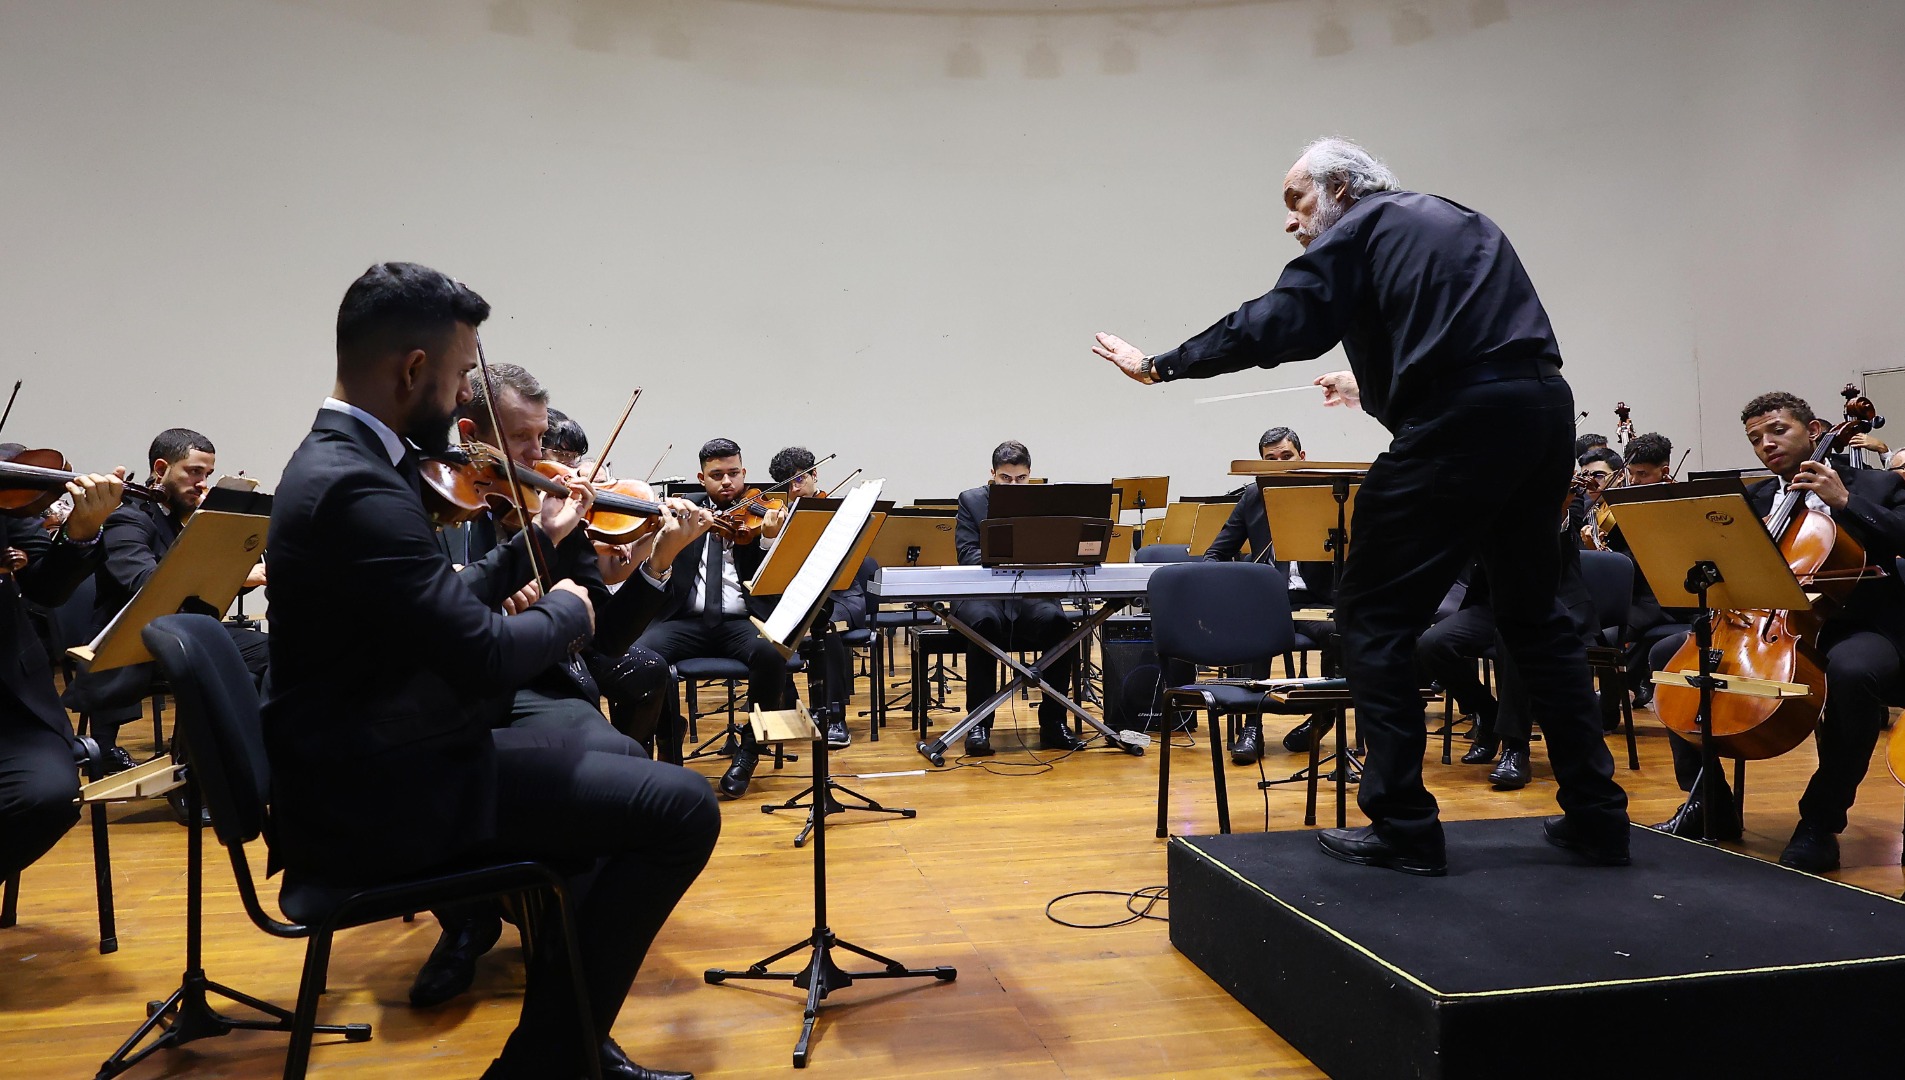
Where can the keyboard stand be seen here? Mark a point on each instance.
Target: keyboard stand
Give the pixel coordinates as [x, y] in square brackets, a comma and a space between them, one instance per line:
[1026, 676]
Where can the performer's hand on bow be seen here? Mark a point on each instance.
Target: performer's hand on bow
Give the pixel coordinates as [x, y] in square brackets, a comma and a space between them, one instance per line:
[522, 599]
[1339, 388]
[1128, 358]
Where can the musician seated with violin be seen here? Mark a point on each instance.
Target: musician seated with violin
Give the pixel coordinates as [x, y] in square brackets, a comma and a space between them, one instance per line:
[387, 666]
[137, 536]
[39, 782]
[1016, 624]
[707, 607]
[1857, 644]
[567, 695]
[1311, 585]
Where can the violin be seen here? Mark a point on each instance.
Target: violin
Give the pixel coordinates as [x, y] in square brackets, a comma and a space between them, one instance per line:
[1600, 516]
[465, 481]
[32, 480]
[744, 521]
[1777, 645]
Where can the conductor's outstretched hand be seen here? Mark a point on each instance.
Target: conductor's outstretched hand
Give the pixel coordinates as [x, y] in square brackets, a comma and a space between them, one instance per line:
[1126, 356]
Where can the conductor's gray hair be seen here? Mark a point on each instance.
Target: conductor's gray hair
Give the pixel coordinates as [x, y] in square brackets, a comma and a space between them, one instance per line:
[1337, 163]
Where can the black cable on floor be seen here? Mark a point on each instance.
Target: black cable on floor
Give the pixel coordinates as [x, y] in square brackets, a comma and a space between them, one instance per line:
[1150, 896]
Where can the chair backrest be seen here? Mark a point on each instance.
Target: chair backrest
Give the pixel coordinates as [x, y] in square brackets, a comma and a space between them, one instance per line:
[1217, 613]
[217, 719]
[1609, 578]
[1163, 553]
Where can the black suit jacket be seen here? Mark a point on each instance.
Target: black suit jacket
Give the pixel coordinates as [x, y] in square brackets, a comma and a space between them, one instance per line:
[1874, 516]
[1250, 521]
[974, 505]
[680, 597]
[381, 655]
[53, 570]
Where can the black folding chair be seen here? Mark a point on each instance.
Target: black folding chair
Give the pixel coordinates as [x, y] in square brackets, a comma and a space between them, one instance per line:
[219, 724]
[1217, 614]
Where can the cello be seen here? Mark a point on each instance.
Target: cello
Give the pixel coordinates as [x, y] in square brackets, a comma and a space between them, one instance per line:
[1780, 646]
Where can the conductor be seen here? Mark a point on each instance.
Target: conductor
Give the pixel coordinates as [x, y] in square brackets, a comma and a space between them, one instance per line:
[1451, 350]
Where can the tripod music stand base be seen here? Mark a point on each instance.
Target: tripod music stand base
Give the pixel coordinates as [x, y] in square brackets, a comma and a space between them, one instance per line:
[822, 976]
[834, 806]
[187, 1016]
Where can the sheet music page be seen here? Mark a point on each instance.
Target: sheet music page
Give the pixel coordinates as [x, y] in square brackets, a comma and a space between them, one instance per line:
[823, 562]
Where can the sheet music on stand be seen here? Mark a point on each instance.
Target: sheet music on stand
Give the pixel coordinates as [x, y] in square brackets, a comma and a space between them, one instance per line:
[819, 564]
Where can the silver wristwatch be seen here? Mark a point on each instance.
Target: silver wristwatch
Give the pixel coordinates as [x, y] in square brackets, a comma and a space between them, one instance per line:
[1146, 370]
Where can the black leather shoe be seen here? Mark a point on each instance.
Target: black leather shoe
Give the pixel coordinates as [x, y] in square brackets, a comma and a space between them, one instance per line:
[1690, 820]
[1608, 850]
[616, 1066]
[1299, 738]
[838, 738]
[115, 760]
[1054, 735]
[1513, 772]
[452, 964]
[979, 742]
[1812, 849]
[1643, 695]
[1364, 847]
[182, 811]
[1481, 751]
[740, 772]
[1248, 749]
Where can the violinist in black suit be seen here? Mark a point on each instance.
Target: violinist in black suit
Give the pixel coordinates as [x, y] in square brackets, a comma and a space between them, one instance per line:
[568, 695]
[137, 536]
[707, 607]
[1861, 640]
[1010, 624]
[1311, 585]
[386, 664]
[39, 780]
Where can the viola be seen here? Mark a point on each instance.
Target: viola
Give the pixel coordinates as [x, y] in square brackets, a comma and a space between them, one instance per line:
[32, 480]
[1776, 645]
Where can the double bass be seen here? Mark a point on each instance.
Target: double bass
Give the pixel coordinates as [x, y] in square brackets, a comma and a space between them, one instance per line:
[1780, 646]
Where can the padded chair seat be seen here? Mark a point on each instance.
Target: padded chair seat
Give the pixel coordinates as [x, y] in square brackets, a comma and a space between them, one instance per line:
[1233, 699]
[705, 668]
[312, 902]
[911, 617]
[856, 638]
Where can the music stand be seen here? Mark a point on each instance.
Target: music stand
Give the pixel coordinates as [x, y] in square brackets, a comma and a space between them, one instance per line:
[1700, 541]
[805, 589]
[804, 532]
[202, 573]
[1211, 519]
[1139, 493]
[1307, 505]
[1180, 521]
[916, 537]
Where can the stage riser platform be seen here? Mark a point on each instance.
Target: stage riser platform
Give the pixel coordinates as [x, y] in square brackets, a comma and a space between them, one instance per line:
[1512, 965]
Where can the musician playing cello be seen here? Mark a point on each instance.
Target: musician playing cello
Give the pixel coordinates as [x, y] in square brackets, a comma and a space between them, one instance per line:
[1860, 641]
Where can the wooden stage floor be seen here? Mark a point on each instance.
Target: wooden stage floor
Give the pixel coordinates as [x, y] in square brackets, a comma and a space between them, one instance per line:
[965, 884]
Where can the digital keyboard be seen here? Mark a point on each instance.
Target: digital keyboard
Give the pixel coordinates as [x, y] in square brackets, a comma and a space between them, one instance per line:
[918, 584]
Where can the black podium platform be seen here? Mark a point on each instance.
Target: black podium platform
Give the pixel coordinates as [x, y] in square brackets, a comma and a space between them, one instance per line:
[1692, 962]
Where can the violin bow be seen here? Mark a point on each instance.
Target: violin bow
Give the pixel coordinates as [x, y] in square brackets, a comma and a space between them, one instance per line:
[10, 400]
[509, 465]
[602, 458]
[655, 468]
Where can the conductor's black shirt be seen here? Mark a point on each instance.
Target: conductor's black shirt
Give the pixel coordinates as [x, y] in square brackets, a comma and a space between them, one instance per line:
[1414, 286]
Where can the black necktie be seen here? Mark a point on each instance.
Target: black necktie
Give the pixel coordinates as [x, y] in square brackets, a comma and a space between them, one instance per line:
[714, 590]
